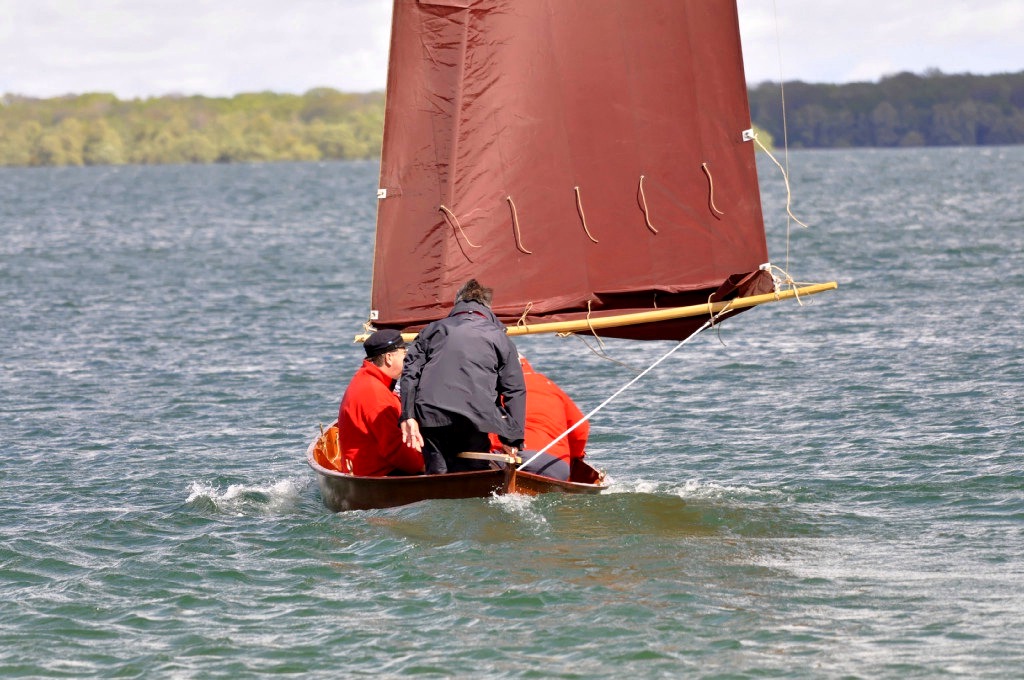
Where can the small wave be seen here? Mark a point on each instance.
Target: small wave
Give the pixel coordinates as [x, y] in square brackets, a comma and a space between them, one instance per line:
[245, 499]
[694, 488]
[519, 505]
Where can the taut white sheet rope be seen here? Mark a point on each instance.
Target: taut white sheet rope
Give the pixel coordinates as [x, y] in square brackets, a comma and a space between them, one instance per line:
[607, 401]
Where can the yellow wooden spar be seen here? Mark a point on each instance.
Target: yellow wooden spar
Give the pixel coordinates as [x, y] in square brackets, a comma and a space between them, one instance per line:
[597, 323]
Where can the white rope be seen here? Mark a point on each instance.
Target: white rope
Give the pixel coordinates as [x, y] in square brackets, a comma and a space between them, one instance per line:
[609, 399]
[789, 195]
[785, 131]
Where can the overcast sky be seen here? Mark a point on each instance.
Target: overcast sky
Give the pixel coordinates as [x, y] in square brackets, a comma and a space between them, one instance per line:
[139, 48]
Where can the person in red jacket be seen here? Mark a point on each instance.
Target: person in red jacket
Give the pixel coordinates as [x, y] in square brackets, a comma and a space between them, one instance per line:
[368, 420]
[549, 413]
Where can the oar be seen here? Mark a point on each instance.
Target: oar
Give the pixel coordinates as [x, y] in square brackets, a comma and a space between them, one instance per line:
[510, 465]
[497, 457]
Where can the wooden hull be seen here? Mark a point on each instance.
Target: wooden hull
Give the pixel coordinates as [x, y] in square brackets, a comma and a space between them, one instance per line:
[343, 491]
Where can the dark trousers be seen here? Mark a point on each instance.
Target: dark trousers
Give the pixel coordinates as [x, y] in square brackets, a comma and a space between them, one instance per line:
[546, 464]
[442, 445]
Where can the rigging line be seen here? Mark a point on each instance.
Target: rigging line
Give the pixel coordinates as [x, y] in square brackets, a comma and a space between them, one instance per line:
[609, 399]
[789, 196]
[785, 127]
[454, 221]
[515, 224]
[712, 316]
[782, 83]
[579, 209]
[592, 331]
[788, 282]
[711, 189]
[643, 203]
[602, 354]
[711, 310]
[522, 317]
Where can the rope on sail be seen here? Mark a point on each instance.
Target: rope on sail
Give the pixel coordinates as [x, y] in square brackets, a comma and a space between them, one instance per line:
[711, 189]
[612, 397]
[526, 312]
[515, 224]
[454, 221]
[789, 193]
[643, 206]
[579, 209]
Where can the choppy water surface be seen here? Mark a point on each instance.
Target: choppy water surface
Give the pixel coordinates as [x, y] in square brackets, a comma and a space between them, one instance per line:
[826, 490]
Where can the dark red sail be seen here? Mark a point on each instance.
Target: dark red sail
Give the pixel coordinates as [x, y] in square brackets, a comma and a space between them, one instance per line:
[578, 156]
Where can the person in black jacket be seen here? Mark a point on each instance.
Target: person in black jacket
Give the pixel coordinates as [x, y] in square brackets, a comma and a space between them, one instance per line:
[461, 380]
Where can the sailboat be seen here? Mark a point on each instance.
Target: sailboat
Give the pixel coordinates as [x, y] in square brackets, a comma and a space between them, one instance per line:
[591, 160]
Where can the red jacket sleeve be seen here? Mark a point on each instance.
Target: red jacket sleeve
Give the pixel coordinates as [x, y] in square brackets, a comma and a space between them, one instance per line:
[578, 437]
[392, 450]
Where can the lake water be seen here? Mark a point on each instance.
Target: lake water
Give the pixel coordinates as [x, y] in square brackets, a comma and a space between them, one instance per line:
[827, 490]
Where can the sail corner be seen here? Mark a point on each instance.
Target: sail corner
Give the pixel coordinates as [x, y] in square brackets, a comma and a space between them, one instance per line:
[748, 135]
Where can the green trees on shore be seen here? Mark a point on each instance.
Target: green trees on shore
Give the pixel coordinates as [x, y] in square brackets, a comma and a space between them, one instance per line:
[100, 129]
[324, 124]
[934, 109]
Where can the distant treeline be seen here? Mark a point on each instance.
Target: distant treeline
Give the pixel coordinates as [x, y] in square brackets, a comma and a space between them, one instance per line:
[100, 129]
[933, 109]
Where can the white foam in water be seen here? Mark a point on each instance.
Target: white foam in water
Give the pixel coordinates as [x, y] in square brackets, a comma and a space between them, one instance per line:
[694, 488]
[636, 486]
[199, 490]
[520, 505]
[238, 498]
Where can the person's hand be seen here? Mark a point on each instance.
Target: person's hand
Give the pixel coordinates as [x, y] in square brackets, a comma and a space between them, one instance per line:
[411, 434]
[509, 450]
